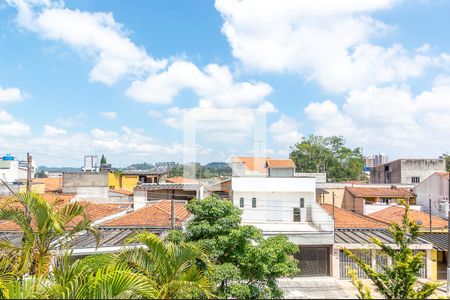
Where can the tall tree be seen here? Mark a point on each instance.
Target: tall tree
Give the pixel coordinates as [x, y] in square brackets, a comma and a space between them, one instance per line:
[447, 162]
[246, 264]
[103, 160]
[330, 155]
[41, 223]
[399, 279]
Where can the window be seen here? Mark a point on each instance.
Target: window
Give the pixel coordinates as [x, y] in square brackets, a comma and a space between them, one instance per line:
[297, 217]
[415, 179]
[253, 202]
[241, 202]
[386, 168]
[302, 202]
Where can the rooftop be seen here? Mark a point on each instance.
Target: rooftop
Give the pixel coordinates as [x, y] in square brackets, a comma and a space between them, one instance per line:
[168, 186]
[51, 184]
[180, 179]
[395, 213]
[154, 215]
[347, 219]
[393, 192]
[365, 236]
[154, 171]
[260, 164]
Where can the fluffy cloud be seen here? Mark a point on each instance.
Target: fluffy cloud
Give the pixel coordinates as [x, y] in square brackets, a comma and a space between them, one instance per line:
[389, 119]
[109, 114]
[12, 127]
[53, 131]
[323, 40]
[10, 94]
[95, 34]
[285, 131]
[214, 84]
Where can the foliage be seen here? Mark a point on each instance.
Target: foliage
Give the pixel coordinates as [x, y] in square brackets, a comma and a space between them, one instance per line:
[173, 268]
[42, 223]
[447, 162]
[97, 261]
[246, 264]
[40, 174]
[399, 279]
[330, 155]
[103, 160]
[363, 290]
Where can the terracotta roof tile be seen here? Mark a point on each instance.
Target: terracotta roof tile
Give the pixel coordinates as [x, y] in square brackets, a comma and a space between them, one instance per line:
[255, 164]
[347, 219]
[280, 163]
[123, 192]
[379, 192]
[155, 215]
[180, 179]
[51, 184]
[394, 213]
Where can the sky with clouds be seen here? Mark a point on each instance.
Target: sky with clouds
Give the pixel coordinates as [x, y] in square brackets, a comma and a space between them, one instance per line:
[108, 77]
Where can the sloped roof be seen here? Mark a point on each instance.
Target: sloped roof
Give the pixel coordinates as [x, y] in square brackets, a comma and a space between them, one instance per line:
[443, 174]
[51, 184]
[365, 236]
[122, 192]
[154, 171]
[168, 186]
[280, 163]
[438, 239]
[347, 219]
[255, 164]
[395, 213]
[154, 215]
[180, 179]
[379, 192]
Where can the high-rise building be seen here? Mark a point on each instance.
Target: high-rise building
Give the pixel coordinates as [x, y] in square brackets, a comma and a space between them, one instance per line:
[380, 159]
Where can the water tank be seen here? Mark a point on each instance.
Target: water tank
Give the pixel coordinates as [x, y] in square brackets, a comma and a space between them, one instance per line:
[8, 157]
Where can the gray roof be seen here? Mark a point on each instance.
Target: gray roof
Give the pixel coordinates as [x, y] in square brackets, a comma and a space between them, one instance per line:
[154, 171]
[438, 239]
[13, 236]
[364, 236]
[108, 238]
[168, 186]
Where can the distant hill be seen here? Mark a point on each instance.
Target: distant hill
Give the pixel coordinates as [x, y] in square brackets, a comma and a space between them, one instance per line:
[218, 166]
[57, 169]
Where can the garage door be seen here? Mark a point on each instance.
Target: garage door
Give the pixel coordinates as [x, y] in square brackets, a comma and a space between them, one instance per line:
[314, 261]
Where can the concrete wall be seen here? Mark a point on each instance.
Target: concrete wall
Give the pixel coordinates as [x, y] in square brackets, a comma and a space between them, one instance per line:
[436, 188]
[328, 198]
[281, 172]
[90, 186]
[402, 171]
[352, 203]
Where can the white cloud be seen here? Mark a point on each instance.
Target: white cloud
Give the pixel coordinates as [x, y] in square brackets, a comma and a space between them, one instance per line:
[109, 114]
[53, 131]
[156, 114]
[324, 41]
[95, 34]
[214, 84]
[389, 119]
[10, 94]
[285, 131]
[12, 127]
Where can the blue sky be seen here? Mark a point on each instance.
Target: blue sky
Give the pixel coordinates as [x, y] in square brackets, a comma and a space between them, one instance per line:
[107, 77]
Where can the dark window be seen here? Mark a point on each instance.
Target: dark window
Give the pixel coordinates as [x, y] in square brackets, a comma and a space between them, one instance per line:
[241, 202]
[386, 168]
[302, 202]
[415, 179]
[253, 202]
[297, 217]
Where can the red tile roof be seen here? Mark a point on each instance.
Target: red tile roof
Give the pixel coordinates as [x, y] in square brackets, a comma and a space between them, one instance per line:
[443, 174]
[51, 184]
[280, 163]
[155, 215]
[123, 192]
[347, 219]
[379, 192]
[395, 213]
[180, 179]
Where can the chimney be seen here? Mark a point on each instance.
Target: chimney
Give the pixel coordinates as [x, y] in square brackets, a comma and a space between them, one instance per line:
[139, 199]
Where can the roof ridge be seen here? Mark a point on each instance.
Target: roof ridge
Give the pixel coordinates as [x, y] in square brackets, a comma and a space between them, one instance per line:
[167, 213]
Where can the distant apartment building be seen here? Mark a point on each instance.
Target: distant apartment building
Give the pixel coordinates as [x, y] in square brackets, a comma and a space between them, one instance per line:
[406, 171]
[380, 159]
[277, 202]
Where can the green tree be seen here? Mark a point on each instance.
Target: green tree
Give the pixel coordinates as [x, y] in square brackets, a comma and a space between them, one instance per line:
[173, 268]
[330, 155]
[399, 279]
[103, 160]
[42, 223]
[245, 264]
[447, 162]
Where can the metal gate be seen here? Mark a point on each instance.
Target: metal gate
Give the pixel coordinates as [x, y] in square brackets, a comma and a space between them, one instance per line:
[314, 261]
[346, 263]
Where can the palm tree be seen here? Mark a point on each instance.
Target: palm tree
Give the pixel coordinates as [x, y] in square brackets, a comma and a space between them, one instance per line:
[45, 227]
[173, 268]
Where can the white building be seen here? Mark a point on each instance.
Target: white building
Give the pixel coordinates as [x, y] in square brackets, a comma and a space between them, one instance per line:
[275, 201]
[435, 187]
[13, 170]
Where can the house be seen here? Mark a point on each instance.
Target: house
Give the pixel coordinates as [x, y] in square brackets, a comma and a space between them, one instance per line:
[366, 200]
[434, 188]
[14, 170]
[355, 232]
[275, 201]
[406, 171]
[220, 188]
[129, 179]
[145, 193]
[435, 232]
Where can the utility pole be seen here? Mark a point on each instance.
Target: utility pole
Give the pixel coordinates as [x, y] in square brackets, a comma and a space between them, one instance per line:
[334, 219]
[429, 205]
[29, 166]
[172, 210]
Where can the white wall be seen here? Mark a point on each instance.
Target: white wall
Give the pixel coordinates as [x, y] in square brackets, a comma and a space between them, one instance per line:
[435, 186]
[273, 184]
[13, 173]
